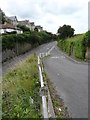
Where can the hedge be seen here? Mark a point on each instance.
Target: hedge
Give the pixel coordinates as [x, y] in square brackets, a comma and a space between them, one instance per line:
[87, 38]
[9, 41]
[76, 44]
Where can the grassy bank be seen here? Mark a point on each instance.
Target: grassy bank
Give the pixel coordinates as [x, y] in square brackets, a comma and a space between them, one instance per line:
[20, 87]
[75, 46]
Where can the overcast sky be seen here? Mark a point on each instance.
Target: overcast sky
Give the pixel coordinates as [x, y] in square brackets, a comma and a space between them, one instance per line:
[50, 14]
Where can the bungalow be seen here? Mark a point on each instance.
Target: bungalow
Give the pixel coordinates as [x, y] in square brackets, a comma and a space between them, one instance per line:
[8, 28]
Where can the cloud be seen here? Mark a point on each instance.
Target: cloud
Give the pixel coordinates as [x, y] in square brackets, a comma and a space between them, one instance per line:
[50, 14]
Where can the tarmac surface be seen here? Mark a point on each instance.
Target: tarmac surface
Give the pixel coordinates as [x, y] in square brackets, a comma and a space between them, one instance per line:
[71, 81]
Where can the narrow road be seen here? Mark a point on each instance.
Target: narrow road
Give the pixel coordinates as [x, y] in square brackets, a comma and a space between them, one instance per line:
[71, 81]
[70, 78]
[15, 61]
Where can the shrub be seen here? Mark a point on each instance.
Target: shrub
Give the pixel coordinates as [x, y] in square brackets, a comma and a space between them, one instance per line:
[34, 38]
[87, 38]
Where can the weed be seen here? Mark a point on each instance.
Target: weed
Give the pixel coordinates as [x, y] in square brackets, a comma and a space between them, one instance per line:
[20, 86]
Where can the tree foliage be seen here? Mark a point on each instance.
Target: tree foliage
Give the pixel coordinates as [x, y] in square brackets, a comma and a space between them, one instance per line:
[33, 37]
[65, 31]
[2, 17]
[36, 29]
[23, 27]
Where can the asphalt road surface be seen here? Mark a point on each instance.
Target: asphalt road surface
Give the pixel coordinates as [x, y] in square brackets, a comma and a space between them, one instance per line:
[71, 81]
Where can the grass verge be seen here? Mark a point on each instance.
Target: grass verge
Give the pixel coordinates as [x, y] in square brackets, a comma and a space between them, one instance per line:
[20, 98]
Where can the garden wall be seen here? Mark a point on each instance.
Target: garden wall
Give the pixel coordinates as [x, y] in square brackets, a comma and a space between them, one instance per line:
[19, 49]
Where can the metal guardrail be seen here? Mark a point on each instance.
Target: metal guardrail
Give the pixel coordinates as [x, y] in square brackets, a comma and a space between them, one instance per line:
[44, 103]
[43, 90]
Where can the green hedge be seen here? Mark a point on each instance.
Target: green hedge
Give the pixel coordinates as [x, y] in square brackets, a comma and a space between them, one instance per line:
[87, 38]
[34, 38]
[76, 44]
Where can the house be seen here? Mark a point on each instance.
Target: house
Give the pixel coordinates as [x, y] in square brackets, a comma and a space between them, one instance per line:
[13, 20]
[28, 24]
[8, 28]
[39, 28]
[24, 22]
[32, 26]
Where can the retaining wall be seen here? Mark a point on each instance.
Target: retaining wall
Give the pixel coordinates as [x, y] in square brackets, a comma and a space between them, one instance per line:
[19, 49]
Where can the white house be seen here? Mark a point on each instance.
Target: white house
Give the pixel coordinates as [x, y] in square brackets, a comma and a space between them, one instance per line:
[7, 28]
[32, 26]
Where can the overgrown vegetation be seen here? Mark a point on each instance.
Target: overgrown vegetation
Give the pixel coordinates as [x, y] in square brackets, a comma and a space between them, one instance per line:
[20, 86]
[33, 37]
[75, 46]
[87, 38]
[2, 17]
[23, 27]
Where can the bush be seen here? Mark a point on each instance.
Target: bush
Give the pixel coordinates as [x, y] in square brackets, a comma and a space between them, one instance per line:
[23, 27]
[87, 38]
[34, 38]
[80, 48]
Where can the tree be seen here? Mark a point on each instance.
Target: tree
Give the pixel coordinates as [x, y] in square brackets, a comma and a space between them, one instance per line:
[24, 28]
[2, 17]
[65, 31]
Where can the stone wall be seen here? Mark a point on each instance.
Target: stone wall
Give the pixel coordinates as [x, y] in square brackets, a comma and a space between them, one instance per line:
[19, 49]
[88, 53]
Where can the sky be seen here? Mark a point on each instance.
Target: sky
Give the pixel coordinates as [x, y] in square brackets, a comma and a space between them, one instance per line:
[50, 14]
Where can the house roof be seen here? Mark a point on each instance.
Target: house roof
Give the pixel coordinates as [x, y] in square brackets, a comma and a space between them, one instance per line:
[24, 22]
[39, 27]
[32, 23]
[13, 18]
[4, 26]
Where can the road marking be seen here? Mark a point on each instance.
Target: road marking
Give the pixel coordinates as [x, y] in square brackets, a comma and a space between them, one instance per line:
[55, 57]
[51, 49]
